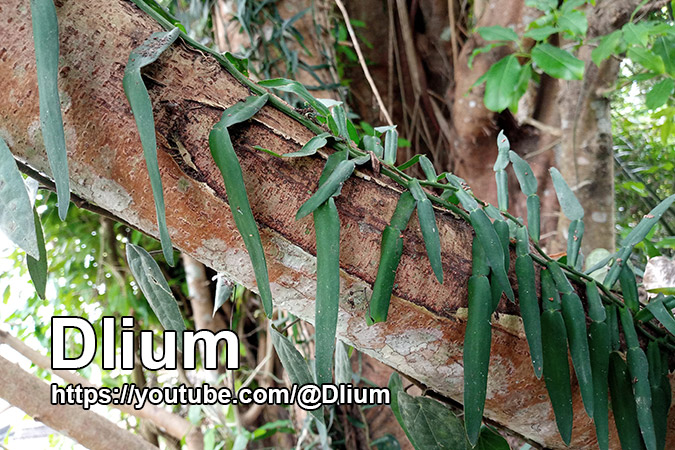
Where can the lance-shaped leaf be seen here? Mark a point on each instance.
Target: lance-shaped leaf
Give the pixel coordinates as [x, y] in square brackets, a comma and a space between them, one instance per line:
[228, 164]
[661, 392]
[390, 147]
[428, 168]
[37, 268]
[156, 290]
[476, 355]
[340, 118]
[141, 107]
[295, 365]
[427, 220]
[391, 250]
[311, 147]
[637, 235]
[623, 404]
[575, 324]
[568, 201]
[332, 185]
[629, 288]
[638, 367]
[556, 365]
[657, 308]
[298, 89]
[16, 214]
[574, 236]
[327, 231]
[502, 162]
[599, 346]
[374, 144]
[46, 40]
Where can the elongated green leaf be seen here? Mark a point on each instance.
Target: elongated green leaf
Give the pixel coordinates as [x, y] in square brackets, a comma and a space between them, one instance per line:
[298, 89]
[526, 179]
[660, 93]
[340, 118]
[497, 33]
[575, 324]
[490, 440]
[647, 59]
[557, 62]
[391, 250]
[310, 147]
[557, 371]
[431, 424]
[332, 185]
[390, 146]
[494, 251]
[327, 229]
[46, 40]
[629, 288]
[568, 201]
[141, 106]
[661, 392]
[16, 216]
[228, 164]
[529, 310]
[428, 168]
[38, 267]
[533, 213]
[156, 290]
[574, 235]
[500, 166]
[606, 47]
[295, 365]
[664, 46]
[623, 404]
[476, 354]
[427, 220]
[662, 314]
[598, 343]
[501, 81]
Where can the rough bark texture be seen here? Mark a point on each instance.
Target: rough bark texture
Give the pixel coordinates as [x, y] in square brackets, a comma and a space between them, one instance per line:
[31, 395]
[424, 334]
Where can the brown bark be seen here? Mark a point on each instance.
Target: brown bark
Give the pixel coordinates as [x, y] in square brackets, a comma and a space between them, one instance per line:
[32, 395]
[424, 334]
[172, 424]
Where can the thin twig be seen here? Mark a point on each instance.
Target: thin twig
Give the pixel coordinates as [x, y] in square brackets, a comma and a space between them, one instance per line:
[362, 61]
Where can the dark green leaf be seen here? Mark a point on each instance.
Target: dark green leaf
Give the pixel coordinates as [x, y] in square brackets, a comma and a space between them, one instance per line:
[141, 106]
[623, 404]
[332, 185]
[529, 310]
[156, 290]
[599, 346]
[16, 216]
[557, 63]
[395, 387]
[629, 288]
[488, 237]
[575, 324]
[490, 440]
[526, 178]
[427, 220]
[228, 164]
[431, 424]
[46, 41]
[662, 314]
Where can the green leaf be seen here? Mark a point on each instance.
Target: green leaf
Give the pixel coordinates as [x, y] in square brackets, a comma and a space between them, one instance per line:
[311, 147]
[542, 5]
[635, 33]
[483, 49]
[295, 365]
[490, 440]
[46, 41]
[340, 118]
[599, 346]
[428, 168]
[659, 93]
[298, 89]
[332, 185]
[606, 47]
[541, 33]
[156, 290]
[476, 354]
[664, 46]
[38, 267]
[529, 310]
[623, 404]
[390, 146]
[497, 33]
[485, 231]
[557, 63]
[568, 201]
[427, 220]
[228, 164]
[647, 59]
[16, 216]
[574, 22]
[241, 64]
[141, 107]
[662, 314]
[395, 386]
[502, 79]
[327, 230]
[431, 424]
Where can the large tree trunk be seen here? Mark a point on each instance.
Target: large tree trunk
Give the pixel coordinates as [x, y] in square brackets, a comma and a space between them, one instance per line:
[424, 334]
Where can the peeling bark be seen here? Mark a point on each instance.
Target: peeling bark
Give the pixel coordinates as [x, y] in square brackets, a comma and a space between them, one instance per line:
[424, 333]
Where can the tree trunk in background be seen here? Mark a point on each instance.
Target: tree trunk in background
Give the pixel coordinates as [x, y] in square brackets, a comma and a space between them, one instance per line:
[425, 330]
[564, 124]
